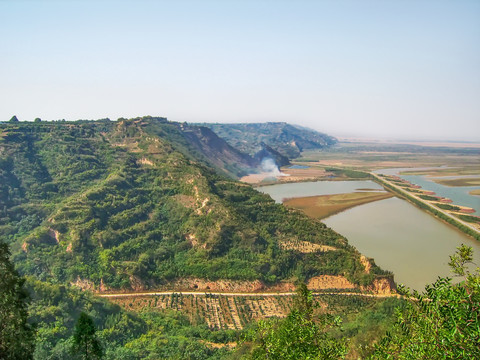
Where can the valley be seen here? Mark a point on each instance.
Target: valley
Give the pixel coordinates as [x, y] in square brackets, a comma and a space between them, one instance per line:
[145, 219]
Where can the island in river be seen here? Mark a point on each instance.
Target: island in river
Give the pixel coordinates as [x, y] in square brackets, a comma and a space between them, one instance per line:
[323, 206]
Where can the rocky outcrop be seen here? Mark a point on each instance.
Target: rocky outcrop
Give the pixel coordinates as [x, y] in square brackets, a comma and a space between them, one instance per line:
[381, 286]
[366, 263]
[83, 284]
[194, 284]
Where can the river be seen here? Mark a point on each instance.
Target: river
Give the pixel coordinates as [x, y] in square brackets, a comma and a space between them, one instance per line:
[401, 238]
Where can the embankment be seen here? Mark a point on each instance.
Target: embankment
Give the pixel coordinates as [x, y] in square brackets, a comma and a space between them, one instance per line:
[444, 216]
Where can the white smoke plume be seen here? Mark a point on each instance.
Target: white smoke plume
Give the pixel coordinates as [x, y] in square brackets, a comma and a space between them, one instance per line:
[269, 166]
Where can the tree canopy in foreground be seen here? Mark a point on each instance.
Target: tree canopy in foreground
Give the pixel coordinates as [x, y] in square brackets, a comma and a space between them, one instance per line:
[16, 335]
[441, 323]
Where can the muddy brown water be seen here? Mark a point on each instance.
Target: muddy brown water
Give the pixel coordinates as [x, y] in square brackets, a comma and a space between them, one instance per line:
[401, 238]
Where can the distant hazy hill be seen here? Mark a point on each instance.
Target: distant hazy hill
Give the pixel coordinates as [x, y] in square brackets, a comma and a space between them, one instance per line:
[287, 139]
[135, 204]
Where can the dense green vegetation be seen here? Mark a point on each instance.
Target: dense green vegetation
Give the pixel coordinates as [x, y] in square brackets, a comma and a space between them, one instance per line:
[442, 323]
[137, 204]
[85, 342]
[447, 207]
[286, 139]
[300, 336]
[129, 204]
[16, 334]
[56, 309]
[428, 197]
[469, 218]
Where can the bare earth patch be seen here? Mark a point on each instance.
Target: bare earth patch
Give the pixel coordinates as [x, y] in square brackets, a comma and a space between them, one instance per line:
[305, 246]
[366, 263]
[256, 178]
[219, 285]
[287, 175]
[323, 282]
[475, 192]
[309, 173]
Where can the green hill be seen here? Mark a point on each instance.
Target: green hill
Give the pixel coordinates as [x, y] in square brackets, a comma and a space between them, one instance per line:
[131, 205]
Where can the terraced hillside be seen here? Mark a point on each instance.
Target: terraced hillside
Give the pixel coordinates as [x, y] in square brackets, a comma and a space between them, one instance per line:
[216, 311]
[132, 205]
[234, 311]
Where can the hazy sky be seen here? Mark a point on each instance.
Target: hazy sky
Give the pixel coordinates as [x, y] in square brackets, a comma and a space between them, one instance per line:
[403, 69]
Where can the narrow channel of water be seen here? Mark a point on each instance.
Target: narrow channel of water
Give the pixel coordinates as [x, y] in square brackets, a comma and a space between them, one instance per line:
[400, 237]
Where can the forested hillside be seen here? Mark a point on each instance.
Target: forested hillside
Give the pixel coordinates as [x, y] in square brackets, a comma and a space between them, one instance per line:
[131, 205]
[284, 138]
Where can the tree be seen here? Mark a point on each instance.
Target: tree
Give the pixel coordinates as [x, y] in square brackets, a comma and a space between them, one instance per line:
[14, 119]
[37, 120]
[85, 341]
[16, 334]
[441, 323]
[300, 335]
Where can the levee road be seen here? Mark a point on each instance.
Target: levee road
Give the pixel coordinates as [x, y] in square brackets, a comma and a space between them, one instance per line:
[408, 195]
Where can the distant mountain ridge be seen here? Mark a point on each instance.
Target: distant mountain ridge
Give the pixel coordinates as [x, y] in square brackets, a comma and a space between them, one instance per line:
[288, 140]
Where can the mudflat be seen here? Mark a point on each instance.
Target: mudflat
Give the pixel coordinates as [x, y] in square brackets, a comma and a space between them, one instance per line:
[323, 206]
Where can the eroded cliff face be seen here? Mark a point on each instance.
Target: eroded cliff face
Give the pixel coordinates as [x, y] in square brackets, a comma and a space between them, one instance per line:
[324, 282]
[381, 286]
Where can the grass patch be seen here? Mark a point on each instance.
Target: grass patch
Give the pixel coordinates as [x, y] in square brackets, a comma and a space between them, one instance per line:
[458, 182]
[323, 206]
